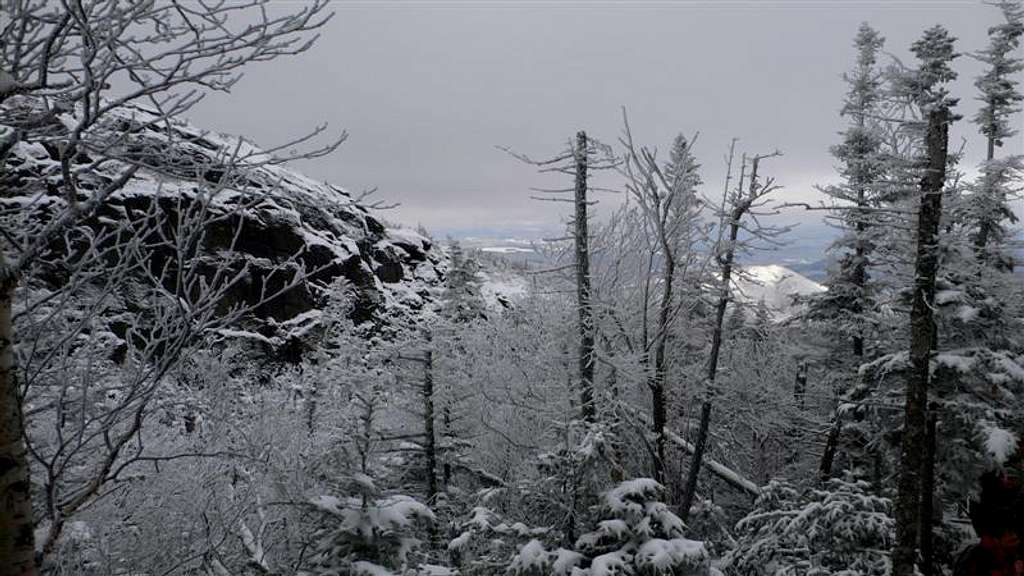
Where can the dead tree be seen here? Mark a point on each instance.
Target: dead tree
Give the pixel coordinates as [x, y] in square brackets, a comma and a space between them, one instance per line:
[584, 307]
[670, 210]
[740, 206]
[580, 159]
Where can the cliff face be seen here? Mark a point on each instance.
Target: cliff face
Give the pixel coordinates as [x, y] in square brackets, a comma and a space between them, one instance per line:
[263, 216]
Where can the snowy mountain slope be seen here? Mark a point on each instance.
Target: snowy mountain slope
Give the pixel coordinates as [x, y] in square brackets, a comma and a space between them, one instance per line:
[393, 272]
[775, 285]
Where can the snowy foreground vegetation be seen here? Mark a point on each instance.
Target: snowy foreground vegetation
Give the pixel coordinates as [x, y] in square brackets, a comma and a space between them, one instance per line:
[212, 365]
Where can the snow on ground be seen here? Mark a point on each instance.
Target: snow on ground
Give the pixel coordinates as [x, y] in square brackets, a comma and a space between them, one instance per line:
[500, 288]
[507, 250]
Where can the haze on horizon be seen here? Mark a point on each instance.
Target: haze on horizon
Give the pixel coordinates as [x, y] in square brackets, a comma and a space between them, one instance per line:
[427, 90]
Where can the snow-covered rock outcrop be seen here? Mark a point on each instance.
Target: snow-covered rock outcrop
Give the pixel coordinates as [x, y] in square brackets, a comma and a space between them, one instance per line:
[393, 272]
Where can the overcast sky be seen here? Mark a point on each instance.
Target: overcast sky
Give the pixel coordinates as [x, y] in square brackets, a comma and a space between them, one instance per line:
[427, 90]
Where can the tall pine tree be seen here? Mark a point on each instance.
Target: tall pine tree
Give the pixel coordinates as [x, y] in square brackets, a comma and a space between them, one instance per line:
[862, 165]
[925, 86]
[1000, 99]
[848, 306]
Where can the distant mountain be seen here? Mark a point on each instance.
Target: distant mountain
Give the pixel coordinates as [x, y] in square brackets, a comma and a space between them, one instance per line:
[775, 285]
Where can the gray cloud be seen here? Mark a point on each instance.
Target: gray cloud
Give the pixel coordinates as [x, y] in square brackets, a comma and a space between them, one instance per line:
[427, 90]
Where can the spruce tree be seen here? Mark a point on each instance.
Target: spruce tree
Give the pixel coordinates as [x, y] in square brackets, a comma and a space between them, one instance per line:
[926, 87]
[461, 301]
[637, 534]
[838, 528]
[1000, 99]
[849, 300]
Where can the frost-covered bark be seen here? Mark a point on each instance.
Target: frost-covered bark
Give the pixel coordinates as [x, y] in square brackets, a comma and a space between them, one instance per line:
[430, 437]
[935, 50]
[17, 543]
[584, 309]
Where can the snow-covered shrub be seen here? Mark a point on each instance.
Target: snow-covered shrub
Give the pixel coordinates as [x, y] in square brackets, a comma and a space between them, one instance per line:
[486, 541]
[841, 529]
[709, 523]
[573, 473]
[371, 535]
[637, 534]
[533, 559]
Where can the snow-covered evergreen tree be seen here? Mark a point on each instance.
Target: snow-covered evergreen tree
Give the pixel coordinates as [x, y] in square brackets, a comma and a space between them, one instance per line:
[1001, 98]
[927, 88]
[636, 534]
[372, 534]
[848, 311]
[849, 303]
[368, 532]
[461, 301]
[840, 528]
[486, 541]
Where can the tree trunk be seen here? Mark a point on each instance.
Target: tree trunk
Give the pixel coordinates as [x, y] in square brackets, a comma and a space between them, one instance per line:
[449, 435]
[698, 460]
[860, 277]
[583, 305]
[660, 412]
[922, 343]
[311, 402]
[800, 386]
[716, 347]
[985, 225]
[616, 472]
[927, 490]
[17, 541]
[831, 444]
[860, 252]
[430, 443]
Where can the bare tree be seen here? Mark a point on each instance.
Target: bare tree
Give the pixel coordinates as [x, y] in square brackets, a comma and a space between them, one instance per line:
[584, 308]
[579, 159]
[739, 206]
[68, 70]
[670, 209]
